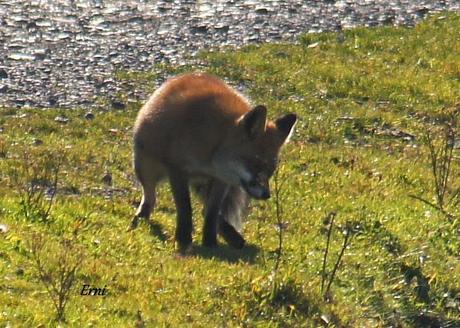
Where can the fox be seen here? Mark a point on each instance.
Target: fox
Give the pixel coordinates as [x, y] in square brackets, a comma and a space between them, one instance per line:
[200, 133]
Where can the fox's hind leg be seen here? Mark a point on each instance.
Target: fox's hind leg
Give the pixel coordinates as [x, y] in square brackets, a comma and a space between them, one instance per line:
[180, 188]
[149, 173]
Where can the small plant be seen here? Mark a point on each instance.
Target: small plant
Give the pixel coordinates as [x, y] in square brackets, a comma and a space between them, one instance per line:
[441, 149]
[36, 179]
[56, 266]
[328, 219]
[3, 149]
[347, 231]
[279, 217]
[280, 226]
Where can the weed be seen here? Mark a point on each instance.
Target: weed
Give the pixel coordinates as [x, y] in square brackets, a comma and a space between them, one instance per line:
[279, 210]
[440, 143]
[56, 266]
[328, 220]
[36, 180]
[347, 232]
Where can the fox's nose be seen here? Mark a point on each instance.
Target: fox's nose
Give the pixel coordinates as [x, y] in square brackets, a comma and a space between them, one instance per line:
[265, 194]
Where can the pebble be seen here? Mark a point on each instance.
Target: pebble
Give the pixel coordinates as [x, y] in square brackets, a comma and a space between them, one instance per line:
[3, 73]
[64, 54]
[89, 116]
[3, 228]
[61, 119]
[107, 179]
[37, 142]
[118, 104]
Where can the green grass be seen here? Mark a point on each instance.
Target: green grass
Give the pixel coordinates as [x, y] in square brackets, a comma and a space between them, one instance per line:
[402, 267]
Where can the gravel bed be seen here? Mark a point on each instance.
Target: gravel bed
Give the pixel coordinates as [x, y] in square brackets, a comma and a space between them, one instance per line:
[63, 53]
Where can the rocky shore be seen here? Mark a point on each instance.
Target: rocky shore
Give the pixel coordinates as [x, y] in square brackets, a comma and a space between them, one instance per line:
[64, 53]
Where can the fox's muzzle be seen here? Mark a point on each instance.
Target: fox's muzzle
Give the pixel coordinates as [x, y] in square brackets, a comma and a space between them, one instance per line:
[256, 190]
[265, 194]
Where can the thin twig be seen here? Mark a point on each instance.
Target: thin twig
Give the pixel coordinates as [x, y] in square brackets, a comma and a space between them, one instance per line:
[279, 212]
[441, 156]
[330, 217]
[337, 263]
[55, 183]
[57, 281]
[436, 207]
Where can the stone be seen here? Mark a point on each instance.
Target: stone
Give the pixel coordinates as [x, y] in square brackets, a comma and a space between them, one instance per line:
[77, 52]
[89, 116]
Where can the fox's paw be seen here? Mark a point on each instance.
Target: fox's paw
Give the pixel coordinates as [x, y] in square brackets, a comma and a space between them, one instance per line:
[134, 223]
[231, 236]
[236, 241]
[210, 242]
[183, 250]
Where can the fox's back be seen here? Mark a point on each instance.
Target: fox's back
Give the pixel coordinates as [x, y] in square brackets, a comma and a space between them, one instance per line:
[187, 117]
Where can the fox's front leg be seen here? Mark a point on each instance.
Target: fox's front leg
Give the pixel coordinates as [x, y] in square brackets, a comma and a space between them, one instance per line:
[231, 235]
[180, 189]
[213, 214]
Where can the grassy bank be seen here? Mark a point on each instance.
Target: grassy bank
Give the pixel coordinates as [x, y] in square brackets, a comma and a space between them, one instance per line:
[367, 101]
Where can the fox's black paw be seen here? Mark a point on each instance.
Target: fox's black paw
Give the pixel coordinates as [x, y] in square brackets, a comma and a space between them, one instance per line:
[237, 242]
[210, 242]
[134, 223]
[184, 250]
[231, 236]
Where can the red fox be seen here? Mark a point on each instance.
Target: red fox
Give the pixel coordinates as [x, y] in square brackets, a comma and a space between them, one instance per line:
[197, 131]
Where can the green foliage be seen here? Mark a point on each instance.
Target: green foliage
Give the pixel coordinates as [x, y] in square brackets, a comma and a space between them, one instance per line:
[442, 149]
[56, 266]
[364, 100]
[35, 176]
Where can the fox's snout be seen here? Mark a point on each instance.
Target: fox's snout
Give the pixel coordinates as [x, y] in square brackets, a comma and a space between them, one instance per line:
[256, 189]
[265, 194]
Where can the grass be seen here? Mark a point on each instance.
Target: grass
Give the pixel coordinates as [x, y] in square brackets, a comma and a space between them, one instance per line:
[364, 100]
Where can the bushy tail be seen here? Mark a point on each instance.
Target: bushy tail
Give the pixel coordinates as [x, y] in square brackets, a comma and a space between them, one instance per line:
[235, 207]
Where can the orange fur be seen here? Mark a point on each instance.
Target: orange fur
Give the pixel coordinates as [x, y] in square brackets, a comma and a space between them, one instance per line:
[197, 128]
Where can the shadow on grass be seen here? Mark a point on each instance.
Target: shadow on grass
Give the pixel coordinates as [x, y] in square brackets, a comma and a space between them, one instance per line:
[224, 252]
[247, 254]
[157, 230]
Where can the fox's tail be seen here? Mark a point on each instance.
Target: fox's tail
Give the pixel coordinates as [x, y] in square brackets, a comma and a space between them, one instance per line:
[235, 205]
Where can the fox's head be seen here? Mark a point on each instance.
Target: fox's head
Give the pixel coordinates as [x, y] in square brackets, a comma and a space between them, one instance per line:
[249, 155]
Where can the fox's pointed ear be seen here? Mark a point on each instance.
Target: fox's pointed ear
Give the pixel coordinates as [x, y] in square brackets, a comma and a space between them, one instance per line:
[285, 125]
[254, 121]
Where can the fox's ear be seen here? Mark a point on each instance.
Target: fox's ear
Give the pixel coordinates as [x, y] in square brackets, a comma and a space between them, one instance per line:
[285, 125]
[254, 121]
